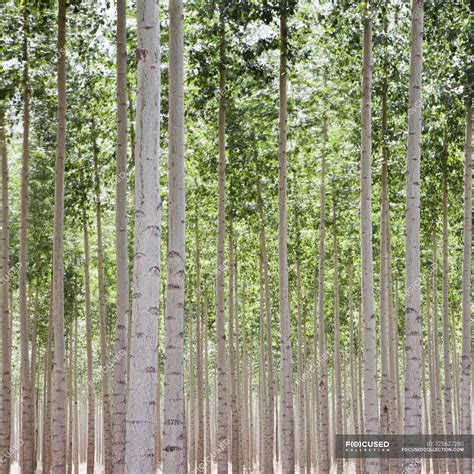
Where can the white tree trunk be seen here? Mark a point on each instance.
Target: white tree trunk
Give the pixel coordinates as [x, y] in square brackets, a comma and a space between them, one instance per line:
[287, 432]
[412, 410]
[59, 382]
[371, 409]
[6, 321]
[222, 385]
[174, 426]
[119, 384]
[466, 356]
[141, 414]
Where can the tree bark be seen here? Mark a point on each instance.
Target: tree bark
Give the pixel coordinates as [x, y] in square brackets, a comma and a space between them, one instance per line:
[371, 410]
[174, 423]
[119, 383]
[27, 425]
[448, 367]
[59, 382]
[104, 362]
[90, 370]
[222, 385]
[412, 289]
[6, 321]
[141, 413]
[466, 354]
[324, 458]
[337, 339]
[287, 431]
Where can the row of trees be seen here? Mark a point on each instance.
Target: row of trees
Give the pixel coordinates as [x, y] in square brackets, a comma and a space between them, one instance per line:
[283, 323]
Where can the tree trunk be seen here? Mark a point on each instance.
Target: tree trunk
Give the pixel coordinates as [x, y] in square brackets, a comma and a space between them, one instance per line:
[6, 321]
[448, 385]
[412, 289]
[371, 410]
[141, 414]
[199, 341]
[270, 417]
[174, 423]
[106, 414]
[46, 447]
[337, 339]
[287, 431]
[207, 390]
[439, 429]
[466, 354]
[222, 386]
[119, 384]
[27, 425]
[90, 369]
[324, 461]
[59, 382]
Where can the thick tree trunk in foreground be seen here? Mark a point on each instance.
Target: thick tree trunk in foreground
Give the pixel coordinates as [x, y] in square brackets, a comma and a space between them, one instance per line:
[174, 425]
[222, 384]
[6, 322]
[119, 384]
[287, 431]
[371, 409]
[412, 289]
[141, 413]
[466, 356]
[59, 382]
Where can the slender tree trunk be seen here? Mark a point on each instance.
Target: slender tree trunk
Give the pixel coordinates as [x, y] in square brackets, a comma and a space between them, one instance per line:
[466, 354]
[432, 384]
[76, 412]
[59, 391]
[106, 414]
[371, 410]
[385, 401]
[199, 344]
[337, 339]
[448, 385]
[174, 423]
[27, 425]
[119, 385]
[270, 417]
[436, 358]
[324, 461]
[301, 432]
[34, 350]
[287, 431]
[222, 385]
[141, 413]
[90, 369]
[207, 392]
[412, 290]
[262, 390]
[5, 430]
[232, 362]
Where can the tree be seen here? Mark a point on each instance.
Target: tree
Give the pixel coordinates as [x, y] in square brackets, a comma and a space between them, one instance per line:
[140, 437]
[59, 383]
[286, 393]
[466, 358]
[119, 392]
[222, 388]
[412, 288]
[174, 426]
